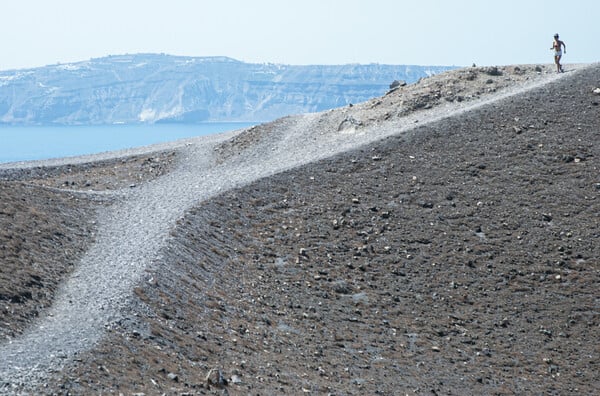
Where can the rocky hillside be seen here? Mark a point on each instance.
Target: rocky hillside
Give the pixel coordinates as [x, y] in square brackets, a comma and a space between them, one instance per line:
[160, 88]
[451, 248]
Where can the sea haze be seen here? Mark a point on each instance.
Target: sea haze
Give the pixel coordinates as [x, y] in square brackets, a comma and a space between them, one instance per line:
[26, 143]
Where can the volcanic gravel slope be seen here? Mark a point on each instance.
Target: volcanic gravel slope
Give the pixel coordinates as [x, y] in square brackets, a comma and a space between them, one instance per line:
[33, 223]
[458, 257]
[47, 223]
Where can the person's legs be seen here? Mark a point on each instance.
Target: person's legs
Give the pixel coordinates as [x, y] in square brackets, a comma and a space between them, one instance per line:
[559, 64]
[557, 61]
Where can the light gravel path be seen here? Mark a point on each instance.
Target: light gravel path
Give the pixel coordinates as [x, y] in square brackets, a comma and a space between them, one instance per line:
[133, 231]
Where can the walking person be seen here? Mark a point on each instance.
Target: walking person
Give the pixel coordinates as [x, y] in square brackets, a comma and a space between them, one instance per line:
[558, 46]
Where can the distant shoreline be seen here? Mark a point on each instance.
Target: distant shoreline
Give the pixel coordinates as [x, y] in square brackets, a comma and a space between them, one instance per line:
[51, 143]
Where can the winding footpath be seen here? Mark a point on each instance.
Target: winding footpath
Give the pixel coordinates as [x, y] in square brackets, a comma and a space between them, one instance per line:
[134, 229]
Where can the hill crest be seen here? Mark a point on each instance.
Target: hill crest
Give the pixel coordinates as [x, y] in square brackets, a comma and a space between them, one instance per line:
[306, 255]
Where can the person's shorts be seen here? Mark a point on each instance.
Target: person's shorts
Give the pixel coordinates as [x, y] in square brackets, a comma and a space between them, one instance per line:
[558, 53]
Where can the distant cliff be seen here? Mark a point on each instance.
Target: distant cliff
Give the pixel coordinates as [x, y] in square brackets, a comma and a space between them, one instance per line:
[149, 88]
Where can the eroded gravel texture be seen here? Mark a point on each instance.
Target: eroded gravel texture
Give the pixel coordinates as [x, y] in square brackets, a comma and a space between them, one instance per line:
[104, 175]
[48, 220]
[42, 236]
[460, 257]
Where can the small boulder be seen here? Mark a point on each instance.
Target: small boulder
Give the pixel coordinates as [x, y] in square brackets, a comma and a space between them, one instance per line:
[173, 377]
[215, 378]
[349, 123]
[397, 84]
[492, 71]
[341, 287]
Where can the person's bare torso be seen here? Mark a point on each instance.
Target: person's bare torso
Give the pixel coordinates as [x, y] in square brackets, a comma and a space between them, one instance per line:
[557, 45]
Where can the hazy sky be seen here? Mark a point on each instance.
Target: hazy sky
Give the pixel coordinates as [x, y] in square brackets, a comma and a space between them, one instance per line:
[422, 32]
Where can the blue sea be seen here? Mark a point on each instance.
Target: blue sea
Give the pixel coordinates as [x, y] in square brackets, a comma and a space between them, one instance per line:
[19, 143]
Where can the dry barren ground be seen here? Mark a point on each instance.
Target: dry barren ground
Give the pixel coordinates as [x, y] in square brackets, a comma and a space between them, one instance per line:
[46, 223]
[460, 257]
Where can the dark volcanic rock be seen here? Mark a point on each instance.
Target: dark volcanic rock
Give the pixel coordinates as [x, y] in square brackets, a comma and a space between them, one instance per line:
[42, 235]
[481, 277]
